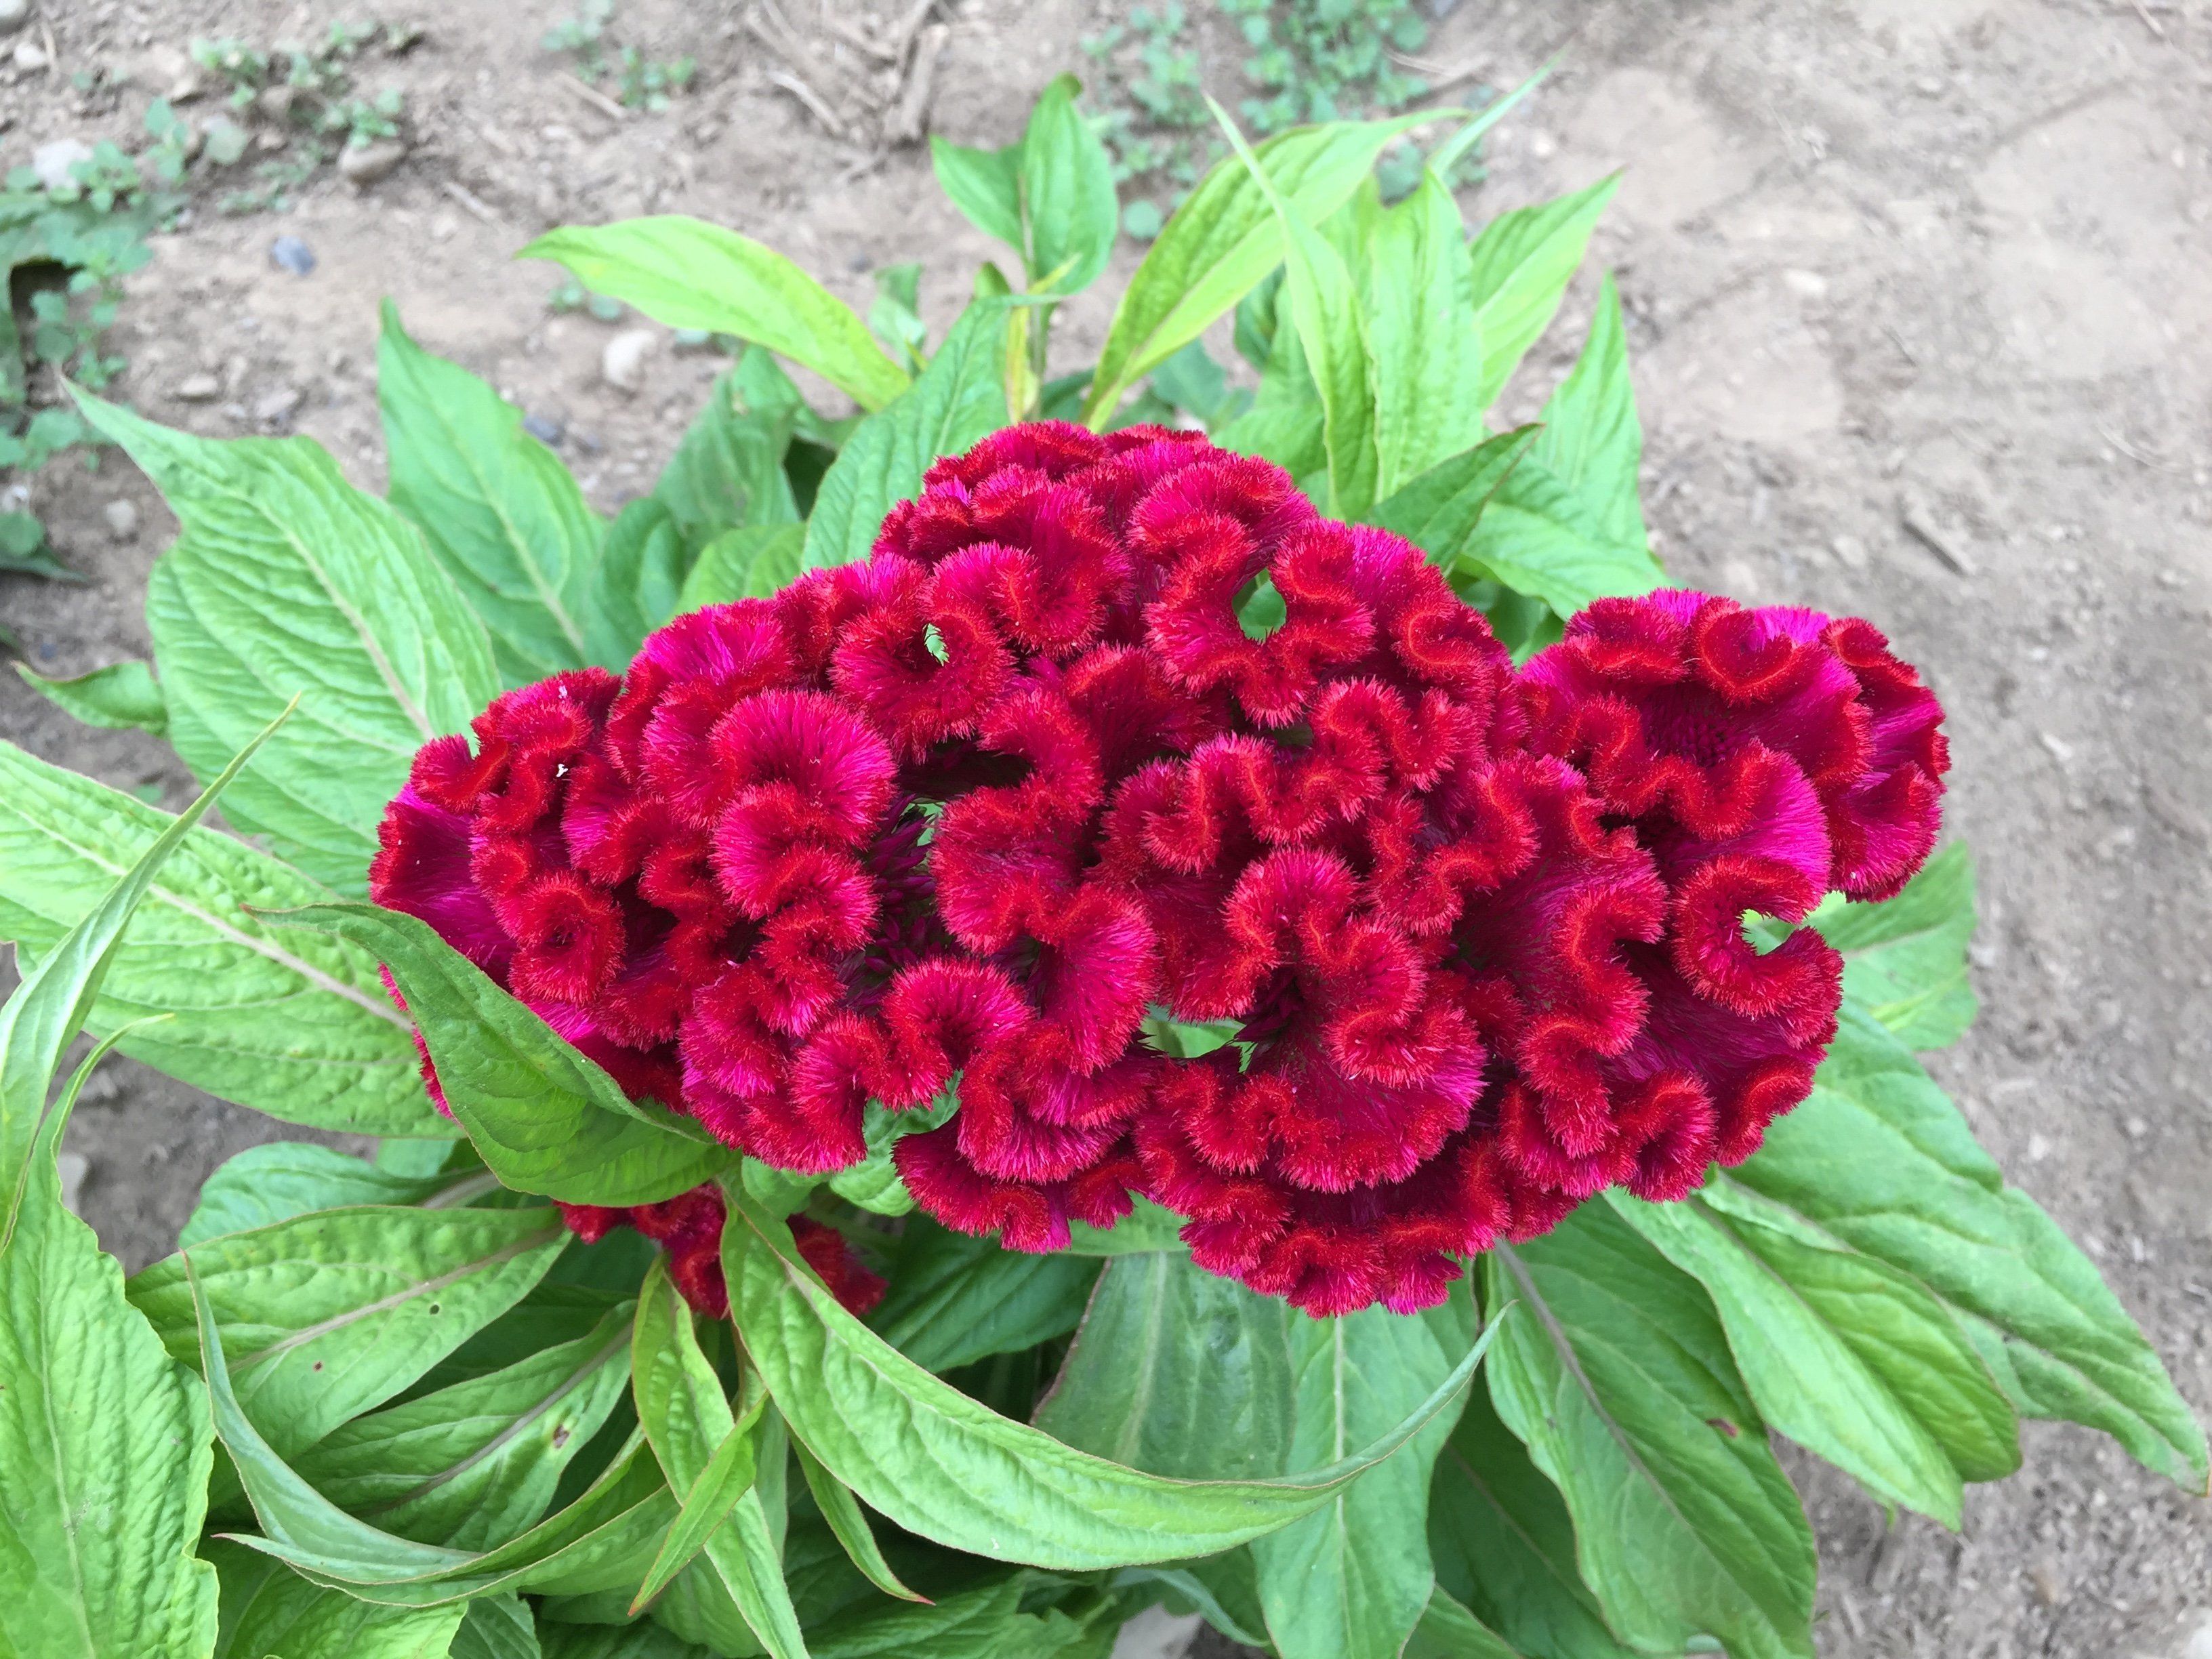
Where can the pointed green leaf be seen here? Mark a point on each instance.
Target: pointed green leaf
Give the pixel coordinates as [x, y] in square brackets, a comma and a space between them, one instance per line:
[985, 184]
[1067, 202]
[688, 274]
[1592, 440]
[267, 1609]
[1536, 537]
[121, 696]
[497, 1627]
[295, 1025]
[474, 1465]
[496, 506]
[1523, 261]
[1147, 1228]
[280, 1179]
[753, 562]
[850, 1523]
[544, 1118]
[637, 581]
[1417, 290]
[1175, 1371]
[1905, 959]
[1439, 511]
[727, 469]
[955, 1300]
[288, 581]
[1224, 239]
[1352, 1580]
[1613, 1370]
[328, 1314]
[1448, 1631]
[943, 1465]
[960, 398]
[1880, 1159]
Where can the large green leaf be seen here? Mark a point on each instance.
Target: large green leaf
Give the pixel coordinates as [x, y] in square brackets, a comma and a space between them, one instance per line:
[474, 1465]
[727, 1476]
[1352, 1580]
[270, 1611]
[753, 562]
[688, 274]
[497, 1627]
[848, 1523]
[1592, 440]
[1838, 1350]
[1439, 511]
[1503, 1544]
[288, 581]
[1880, 1160]
[1419, 293]
[1448, 1631]
[1536, 537]
[293, 1025]
[1523, 261]
[544, 1117]
[985, 184]
[1223, 241]
[1175, 1371]
[1904, 959]
[1069, 214]
[327, 1314]
[727, 469]
[639, 1641]
[122, 696]
[496, 506]
[280, 1179]
[944, 1466]
[636, 583]
[960, 398]
[687, 1418]
[104, 1438]
[1333, 331]
[1612, 1368]
[955, 1300]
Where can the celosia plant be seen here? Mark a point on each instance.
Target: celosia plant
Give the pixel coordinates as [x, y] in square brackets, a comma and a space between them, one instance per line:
[992, 1014]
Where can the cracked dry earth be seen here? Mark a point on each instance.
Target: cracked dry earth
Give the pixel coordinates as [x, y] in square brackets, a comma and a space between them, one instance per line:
[1940, 260]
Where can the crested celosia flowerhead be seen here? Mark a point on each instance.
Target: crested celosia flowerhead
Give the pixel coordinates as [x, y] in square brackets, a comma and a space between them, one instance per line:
[959, 817]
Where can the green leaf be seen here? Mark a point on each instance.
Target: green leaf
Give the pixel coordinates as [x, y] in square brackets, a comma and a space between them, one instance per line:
[1815, 1333]
[1418, 291]
[1439, 511]
[638, 1641]
[940, 1464]
[849, 1522]
[728, 1474]
[985, 184]
[960, 398]
[1067, 182]
[985, 1623]
[955, 1300]
[874, 1183]
[1523, 261]
[1175, 1371]
[103, 1437]
[1223, 241]
[280, 1179]
[497, 1627]
[496, 506]
[1879, 1159]
[635, 582]
[544, 1117]
[728, 469]
[327, 1314]
[267, 1610]
[1354, 1579]
[1448, 1631]
[1612, 1368]
[1325, 307]
[1536, 537]
[686, 1417]
[335, 1311]
[295, 1025]
[474, 1465]
[688, 274]
[752, 562]
[288, 581]
[1905, 959]
[1502, 1543]
[121, 696]
[1592, 440]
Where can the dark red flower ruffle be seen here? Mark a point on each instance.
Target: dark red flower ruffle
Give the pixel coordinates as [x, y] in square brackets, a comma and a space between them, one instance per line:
[689, 1228]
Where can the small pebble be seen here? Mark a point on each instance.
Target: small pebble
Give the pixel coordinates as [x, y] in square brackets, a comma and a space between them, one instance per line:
[30, 55]
[543, 427]
[52, 162]
[1807, 284]
[290, 253]
[73, 1168]
[622, 362]
[14, 14]
[2038, 1148]
[277, 407]
[2061, 750]
[197, 389]
[363, 165]
[122, 520]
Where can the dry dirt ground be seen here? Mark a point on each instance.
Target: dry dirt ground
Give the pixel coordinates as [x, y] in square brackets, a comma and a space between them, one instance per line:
[1936, 258]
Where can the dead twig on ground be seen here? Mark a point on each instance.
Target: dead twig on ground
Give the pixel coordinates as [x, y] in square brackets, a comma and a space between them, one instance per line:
[2157, 28]
[815, 104]
[1918, 525]
[909, 118]
[907, 31]
[1442, 75]
[474, 203]
[591, 94]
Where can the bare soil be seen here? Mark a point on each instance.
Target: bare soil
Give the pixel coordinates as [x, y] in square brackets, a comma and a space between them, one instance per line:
[1941, 260]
